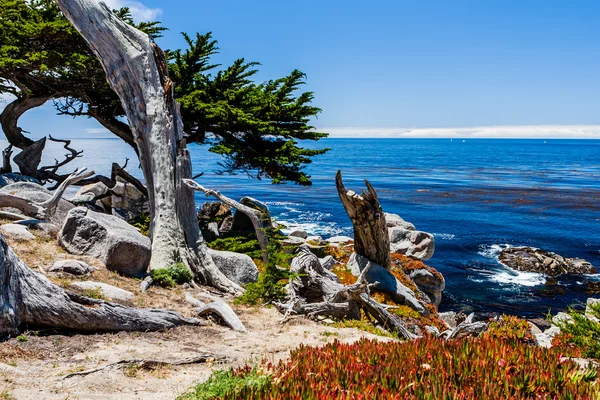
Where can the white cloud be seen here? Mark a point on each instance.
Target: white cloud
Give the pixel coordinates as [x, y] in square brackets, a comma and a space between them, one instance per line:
[508, 131]
[138, 10]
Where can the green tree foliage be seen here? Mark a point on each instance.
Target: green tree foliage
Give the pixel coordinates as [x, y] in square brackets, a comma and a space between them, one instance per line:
[256, 127]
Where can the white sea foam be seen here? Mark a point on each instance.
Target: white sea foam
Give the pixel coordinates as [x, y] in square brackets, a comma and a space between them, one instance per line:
[492, 250]
[519, 278]
[444, 236]
[325, 229]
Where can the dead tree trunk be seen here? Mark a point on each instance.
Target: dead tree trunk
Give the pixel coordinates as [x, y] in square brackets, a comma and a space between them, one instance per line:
[371, 238]
[136, 70]
[317, 291]
[6, 165]
[255, 216]
[29, 299]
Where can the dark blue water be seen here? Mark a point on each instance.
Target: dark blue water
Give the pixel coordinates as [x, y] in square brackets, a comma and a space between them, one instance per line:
[475, 196]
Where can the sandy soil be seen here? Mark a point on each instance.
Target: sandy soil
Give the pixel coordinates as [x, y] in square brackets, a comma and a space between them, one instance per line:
[36, 368]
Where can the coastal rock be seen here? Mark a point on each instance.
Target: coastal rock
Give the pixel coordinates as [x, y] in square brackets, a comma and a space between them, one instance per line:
[589, 312]
[242, 223]
[10, 178]
[394, 220]
[386, 282]
[545, 339]
[449, 318]
[291, 243]
[16, 231]
[416, 244]
[337, 240]
[37, 193]
[528, 259]
[405, 239]
[315, 241]
[238, 267]
[73, 267]
[299, 233]
[109, 292]
[431, 284]
[214, 219]
[116, 243]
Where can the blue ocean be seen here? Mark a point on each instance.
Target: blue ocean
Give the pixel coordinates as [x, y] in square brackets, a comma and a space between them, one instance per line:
[476, 195]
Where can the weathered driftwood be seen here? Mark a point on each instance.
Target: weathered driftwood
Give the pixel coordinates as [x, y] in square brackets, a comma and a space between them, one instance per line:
[136, 70]
[143, 363]
[317, 291]
[371, 238]
[255, 215]
[44, 210]
[6, 165]
[29, 300]
[219, 308]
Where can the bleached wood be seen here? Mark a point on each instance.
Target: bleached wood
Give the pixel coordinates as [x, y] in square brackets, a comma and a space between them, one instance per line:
[255, 216]
[136, 70]
[29, 300]
[371, 238]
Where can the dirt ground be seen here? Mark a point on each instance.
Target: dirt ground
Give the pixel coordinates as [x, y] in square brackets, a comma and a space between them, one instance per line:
[35, 365]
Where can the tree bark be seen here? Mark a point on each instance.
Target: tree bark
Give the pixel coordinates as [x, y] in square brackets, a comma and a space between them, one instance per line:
[371, 238]
[28, 299]
[136, 70]
[6, 165]
[10, 117]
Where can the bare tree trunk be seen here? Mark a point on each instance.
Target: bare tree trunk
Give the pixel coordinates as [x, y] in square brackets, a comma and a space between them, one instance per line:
[10, 117]
[6, 165]
[29, 299]
[371, 238]
[136, 70]
[255, 216]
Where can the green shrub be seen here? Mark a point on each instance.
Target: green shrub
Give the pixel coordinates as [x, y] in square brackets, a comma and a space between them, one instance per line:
[581, 337]
[272, 280]
[142, 222]
[176, 274]
[246, 244]
[428, 368]
[22, 338]
[511, 329]
[221, 383]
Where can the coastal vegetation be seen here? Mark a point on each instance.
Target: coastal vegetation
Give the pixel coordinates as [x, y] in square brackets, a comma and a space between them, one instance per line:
[129, 276]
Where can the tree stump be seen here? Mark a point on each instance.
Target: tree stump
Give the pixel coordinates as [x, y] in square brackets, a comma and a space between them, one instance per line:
[371, 238]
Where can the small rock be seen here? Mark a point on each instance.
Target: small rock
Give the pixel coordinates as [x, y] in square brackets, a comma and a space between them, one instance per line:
[534, 328]
[328, 321]
[327, 262]
[315, 240]
[109, 292]
[417, 244]
[299, 233]
[291, 243]
[545, 339]
[17, 232]
[589, 313]
[562, 317]
[541, 323]
[449, 318]
[73, 267]
[339, 239]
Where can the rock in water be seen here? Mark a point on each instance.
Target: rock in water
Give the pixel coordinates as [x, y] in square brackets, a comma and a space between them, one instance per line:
[73, 267]
[528, 259]
[405, 239]
[116, 243]
[16, 231]
[238, 267]
[108, 292]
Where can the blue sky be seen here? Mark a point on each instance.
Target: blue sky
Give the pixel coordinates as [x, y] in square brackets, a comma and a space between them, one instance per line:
[421, 68]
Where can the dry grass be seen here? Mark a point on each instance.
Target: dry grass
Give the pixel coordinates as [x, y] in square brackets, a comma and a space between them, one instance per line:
[11, 353]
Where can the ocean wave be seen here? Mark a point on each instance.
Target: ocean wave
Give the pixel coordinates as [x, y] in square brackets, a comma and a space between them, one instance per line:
[324, 229]
[519, 278]
[444, 236]
[492, 250]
